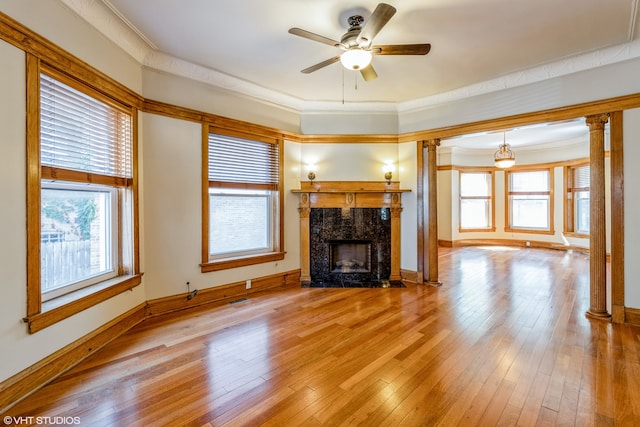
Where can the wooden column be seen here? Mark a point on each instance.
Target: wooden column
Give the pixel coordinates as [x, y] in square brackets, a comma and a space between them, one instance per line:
[597, 221]
[396, 210]
[432, 213]
[617, 217]
[305, 257]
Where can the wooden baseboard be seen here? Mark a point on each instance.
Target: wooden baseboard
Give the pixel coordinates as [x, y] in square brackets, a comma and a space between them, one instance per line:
[21, 385]
[632, 316]
[409, 276]
[221, 294]
[36, 376]
[511, 242]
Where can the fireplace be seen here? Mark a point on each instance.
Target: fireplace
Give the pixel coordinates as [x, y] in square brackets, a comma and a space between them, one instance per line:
[362, 212]
[350, 256]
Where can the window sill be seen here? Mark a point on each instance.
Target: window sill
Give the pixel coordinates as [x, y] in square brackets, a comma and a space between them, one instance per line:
[528, 231]
[68, 305]
[578, 235]
[228, 263]
[477, 230]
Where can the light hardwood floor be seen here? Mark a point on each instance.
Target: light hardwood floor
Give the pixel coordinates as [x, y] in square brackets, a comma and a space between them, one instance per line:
[504, 341]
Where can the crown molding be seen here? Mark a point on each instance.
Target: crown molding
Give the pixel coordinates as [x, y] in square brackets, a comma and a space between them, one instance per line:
[104, 17]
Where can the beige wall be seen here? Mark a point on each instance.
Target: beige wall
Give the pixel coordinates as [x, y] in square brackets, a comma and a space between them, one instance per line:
[171, 196]
[27, 349]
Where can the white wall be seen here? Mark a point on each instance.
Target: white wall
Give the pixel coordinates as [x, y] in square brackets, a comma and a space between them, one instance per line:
[202, 97]
[447, 215]
[599, 83]
[408, 173]
[631, 208]
[349, 162]
[58, 24]
[171, 182]
[349, 122]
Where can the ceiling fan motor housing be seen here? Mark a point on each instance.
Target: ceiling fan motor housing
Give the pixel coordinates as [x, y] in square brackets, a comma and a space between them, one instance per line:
[350, 38]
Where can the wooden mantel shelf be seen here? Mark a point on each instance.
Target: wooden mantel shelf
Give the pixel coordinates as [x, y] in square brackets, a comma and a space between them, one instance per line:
[349, 187]
[347, 195]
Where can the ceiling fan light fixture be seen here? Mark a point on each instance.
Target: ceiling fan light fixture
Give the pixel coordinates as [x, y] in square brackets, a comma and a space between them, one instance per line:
[504, 158]
[355, 59]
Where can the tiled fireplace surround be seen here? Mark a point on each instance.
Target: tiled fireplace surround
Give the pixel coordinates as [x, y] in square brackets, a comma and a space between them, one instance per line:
[350, 245]
[350, 232]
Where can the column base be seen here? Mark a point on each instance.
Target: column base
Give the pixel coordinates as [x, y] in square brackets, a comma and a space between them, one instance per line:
[598, 315]
[434, 283]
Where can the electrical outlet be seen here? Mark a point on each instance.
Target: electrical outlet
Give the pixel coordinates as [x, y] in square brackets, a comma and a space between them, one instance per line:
[248, 284]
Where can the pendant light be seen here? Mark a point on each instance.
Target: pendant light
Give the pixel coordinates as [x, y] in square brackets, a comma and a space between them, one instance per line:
[504, 157]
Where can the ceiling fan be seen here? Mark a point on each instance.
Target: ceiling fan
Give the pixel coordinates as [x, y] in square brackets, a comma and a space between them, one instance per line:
[357, 46]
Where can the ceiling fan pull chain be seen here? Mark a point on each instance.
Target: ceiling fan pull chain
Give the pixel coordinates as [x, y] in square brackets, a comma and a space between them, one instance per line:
[343, 86]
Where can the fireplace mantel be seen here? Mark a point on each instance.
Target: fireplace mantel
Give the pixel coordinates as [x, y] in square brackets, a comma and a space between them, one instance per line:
[347, 195]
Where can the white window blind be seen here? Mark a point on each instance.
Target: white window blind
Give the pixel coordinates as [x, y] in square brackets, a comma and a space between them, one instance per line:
[579, 178]
[81, 133]
[243, 161]
[523, 182]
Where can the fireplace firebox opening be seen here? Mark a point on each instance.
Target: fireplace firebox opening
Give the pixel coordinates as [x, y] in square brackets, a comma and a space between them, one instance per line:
[350, 256]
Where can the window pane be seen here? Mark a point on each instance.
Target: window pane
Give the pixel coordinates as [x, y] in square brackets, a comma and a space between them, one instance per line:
[474, 213]
[475, 185]
[76, 235]
[240, 221]
[582, 212]
[530, 212]
[529, 181]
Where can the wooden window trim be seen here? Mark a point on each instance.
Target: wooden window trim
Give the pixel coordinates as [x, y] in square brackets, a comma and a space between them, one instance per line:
[569, 225]
[41, 315]
[207, 265]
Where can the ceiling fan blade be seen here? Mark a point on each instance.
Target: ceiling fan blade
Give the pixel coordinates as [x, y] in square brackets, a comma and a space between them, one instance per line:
[401, 49]
[313, 36]
[321, 65]
[368, 73]
[378, 19]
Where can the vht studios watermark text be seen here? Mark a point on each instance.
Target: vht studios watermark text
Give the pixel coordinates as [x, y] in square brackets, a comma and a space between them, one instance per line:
[8, 420]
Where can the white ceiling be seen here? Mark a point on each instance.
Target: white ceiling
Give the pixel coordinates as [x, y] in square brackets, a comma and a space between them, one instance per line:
[472, 41]
[246, 46]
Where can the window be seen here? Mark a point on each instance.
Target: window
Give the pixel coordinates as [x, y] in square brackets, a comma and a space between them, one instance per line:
[476, 201]
[81, 212]
[529, 202]
[243, 201]
[577, 210]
